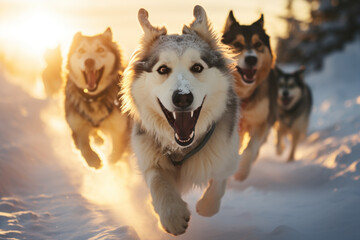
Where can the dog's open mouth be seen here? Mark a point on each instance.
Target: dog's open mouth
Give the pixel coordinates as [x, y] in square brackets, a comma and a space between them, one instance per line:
[92, 78]
[286, 101]
[247, 74]
[183, 123]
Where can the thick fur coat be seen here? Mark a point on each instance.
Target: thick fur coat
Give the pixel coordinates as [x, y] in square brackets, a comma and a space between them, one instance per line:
[255, 85]
[91, 95]
[295, 103]
[179, 91]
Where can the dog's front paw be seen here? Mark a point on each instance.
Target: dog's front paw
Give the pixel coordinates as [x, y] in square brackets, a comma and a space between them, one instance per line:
[93, 160]
[207, 207]
[242, 173]
[175, 217]
[290, 159]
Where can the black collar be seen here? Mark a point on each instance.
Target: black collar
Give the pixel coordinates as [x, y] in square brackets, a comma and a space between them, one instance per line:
[193, 151]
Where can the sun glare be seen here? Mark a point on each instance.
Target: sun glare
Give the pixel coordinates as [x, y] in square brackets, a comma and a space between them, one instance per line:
[33, 30]
[26, 34]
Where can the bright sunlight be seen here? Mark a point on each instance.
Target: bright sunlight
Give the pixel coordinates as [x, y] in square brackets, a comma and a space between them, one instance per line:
[33, 31]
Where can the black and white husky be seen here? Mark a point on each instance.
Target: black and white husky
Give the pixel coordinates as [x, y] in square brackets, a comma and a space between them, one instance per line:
[179, 91]
[294, 107]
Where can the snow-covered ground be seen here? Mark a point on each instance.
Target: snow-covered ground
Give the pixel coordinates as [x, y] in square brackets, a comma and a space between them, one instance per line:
[47, 192]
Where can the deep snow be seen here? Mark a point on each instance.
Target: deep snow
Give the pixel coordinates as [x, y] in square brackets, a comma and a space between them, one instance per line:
[47, 192]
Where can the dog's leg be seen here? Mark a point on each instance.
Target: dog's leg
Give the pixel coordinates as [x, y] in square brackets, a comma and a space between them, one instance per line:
[173, 212]
[98, 139]
[120, 140]
[80, 132]
[81, 139]
[119, 144]
[279, 141]
[116, 127]
[295, 137]
[209, 204]
[251, 152]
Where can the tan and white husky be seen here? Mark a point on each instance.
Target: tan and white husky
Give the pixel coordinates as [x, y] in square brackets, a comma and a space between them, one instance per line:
[91, 101]
[179, 90]
[255, 85]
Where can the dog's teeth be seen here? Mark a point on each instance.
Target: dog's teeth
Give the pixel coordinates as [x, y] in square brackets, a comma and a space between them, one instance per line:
[184, 141]
[192, 134]
[174, 115]
[192, 113]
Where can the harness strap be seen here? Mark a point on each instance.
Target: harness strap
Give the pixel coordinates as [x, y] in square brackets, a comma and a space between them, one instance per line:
[104, 98]
[195, 150]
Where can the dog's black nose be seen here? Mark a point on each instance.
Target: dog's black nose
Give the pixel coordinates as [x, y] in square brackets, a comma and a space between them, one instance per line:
[285, 94]
[251, 60]
[182, 100]
[89, 63]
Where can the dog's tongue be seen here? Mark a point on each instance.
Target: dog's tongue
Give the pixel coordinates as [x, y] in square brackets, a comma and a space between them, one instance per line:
[91, 77]
[184, 125]
[286, 101]
[249, 73]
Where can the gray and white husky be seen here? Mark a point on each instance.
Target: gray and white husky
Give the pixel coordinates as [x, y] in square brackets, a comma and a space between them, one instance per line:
[294, 107]
[179, 91]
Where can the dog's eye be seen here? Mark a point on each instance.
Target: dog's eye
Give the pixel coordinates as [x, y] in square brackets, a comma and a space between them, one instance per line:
[238, 46]
[197, 68]
[100, 50]
[163, 69]
[257, 45]
[81, 50]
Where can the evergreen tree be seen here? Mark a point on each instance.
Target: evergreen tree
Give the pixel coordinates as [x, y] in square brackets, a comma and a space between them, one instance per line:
[333, 23]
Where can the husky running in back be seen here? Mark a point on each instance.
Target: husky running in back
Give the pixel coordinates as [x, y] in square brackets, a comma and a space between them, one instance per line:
[91, 101]
[179, 90]
[51, 75]
[255, 84]
[295, 102]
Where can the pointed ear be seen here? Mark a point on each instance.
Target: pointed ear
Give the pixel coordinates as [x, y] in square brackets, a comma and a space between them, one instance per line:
[201, 27]
[260, 22]
[77, 36]
[150, 32]
[108, 34]
[229, 21]
[301, 72]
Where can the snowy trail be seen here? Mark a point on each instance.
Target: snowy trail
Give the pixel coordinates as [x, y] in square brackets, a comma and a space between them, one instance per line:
[39, 196]
[47, 192]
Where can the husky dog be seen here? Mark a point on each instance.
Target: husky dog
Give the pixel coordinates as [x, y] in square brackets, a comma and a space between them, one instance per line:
[255, 84]
[91, 103]
[179, 90]
[51, 75]
[295, 102]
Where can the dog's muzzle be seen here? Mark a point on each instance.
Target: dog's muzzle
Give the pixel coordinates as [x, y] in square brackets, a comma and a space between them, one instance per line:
[92, 78]
[285, 101]
[248, 75]
[183, 122]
